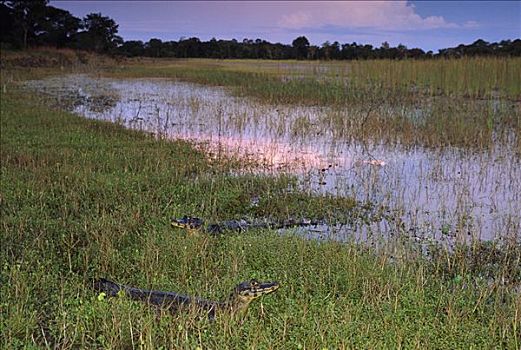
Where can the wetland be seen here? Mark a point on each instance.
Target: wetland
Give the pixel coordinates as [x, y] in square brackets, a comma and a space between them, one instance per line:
[413, 166]
[434, 193]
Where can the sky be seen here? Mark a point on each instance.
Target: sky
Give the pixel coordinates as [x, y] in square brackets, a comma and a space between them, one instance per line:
[429, 25]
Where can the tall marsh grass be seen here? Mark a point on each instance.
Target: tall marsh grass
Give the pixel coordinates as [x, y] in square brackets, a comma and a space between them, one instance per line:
[471, 102]
[466, 77]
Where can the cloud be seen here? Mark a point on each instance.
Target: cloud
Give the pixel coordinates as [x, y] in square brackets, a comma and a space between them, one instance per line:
[471, 24]
[369, 22]
[389, 15]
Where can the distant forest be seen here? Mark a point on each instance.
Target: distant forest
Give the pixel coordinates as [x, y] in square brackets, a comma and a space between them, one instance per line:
[33, 23]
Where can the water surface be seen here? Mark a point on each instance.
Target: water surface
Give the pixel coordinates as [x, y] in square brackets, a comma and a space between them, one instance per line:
[443, 193]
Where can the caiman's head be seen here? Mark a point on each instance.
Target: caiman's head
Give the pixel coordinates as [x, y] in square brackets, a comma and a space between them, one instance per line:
[244, 293]
[188, 222]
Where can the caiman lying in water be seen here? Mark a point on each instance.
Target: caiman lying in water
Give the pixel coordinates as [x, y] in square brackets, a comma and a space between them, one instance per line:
[237, 303]
[194, 224]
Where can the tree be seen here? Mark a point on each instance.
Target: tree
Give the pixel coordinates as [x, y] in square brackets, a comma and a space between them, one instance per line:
[27, 15]
[478, 47]
[402, 51]
[100, 34]
[189, 47]
[7, 25]
[385, 50]
[415, 53]
[132, 48]
[335, 50]
[348, 51]
[313, 52]
[515, 48]
[325, 51]
[301, 46]
[154, 48]
[57, 27]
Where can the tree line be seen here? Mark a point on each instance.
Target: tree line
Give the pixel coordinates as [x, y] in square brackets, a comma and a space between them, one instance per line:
[33, 23]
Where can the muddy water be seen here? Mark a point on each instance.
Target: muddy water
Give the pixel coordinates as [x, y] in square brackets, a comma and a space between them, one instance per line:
[439, 194]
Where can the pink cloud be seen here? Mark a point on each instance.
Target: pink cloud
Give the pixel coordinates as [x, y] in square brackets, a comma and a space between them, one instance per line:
[392, 15]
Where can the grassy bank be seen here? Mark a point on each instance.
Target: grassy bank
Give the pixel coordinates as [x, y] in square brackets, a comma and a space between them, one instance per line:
[82, 199]
[49, 57]
[466, 103]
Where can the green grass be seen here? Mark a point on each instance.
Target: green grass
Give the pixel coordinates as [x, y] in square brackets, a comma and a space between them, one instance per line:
[82, 199]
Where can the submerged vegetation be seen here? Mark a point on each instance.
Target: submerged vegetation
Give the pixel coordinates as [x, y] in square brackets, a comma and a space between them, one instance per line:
[82, 199]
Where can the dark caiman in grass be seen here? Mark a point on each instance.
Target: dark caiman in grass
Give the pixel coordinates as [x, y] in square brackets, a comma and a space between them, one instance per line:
[237, 303]
[195, 224]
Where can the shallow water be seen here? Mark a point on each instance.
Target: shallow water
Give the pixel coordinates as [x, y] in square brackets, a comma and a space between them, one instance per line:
[445, 193]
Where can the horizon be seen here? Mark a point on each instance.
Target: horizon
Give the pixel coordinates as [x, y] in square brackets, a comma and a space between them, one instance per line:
[430, 26]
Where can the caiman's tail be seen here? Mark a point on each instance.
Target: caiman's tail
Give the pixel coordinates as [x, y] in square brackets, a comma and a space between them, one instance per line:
[109, 287]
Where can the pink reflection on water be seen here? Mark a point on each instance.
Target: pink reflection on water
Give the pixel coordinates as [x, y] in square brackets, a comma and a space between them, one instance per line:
[272, 155]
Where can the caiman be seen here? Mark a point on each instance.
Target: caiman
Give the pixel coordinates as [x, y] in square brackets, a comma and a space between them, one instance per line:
[195, 224]
[237, 303]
